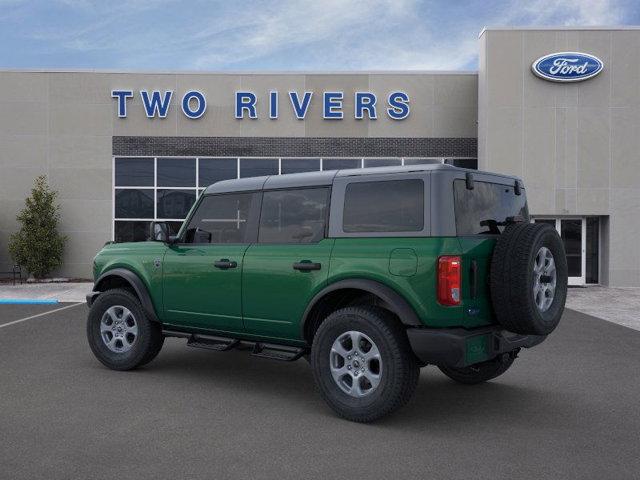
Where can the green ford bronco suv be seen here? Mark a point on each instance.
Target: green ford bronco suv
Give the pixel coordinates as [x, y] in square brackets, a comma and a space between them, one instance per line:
[368, 274]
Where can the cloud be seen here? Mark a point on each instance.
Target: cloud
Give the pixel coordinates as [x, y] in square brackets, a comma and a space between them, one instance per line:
[569, 12]
[383, 35]
[330, 26]
[341, 35]
[284, 34]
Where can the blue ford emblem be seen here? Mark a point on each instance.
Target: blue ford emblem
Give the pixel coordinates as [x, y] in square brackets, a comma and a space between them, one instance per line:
[567, 66]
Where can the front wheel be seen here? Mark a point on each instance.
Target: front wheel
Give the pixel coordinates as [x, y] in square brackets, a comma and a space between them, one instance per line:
[119, 333]
[363, 364]
[480, 372]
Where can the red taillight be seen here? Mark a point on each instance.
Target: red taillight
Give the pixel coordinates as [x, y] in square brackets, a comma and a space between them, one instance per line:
[449, 280]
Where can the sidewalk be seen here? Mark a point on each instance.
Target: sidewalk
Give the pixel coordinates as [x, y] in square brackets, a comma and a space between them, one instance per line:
[617, 305]
[63, 292]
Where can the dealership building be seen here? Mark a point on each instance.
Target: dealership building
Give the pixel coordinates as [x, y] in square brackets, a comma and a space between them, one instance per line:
[123, 149]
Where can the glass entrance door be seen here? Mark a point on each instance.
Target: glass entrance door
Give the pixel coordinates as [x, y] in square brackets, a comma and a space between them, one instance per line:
[573, 234]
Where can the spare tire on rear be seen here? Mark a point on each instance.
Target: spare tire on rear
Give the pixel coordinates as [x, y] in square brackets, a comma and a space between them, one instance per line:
[528, 278]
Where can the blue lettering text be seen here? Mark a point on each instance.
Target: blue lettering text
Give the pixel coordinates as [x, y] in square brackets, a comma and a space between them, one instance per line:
[200, 100]
[332, 105]
[122, 96]
[398, 105]
[156, 105]
[246, 101]
[365, 101]
[300, 108]
[273, 105]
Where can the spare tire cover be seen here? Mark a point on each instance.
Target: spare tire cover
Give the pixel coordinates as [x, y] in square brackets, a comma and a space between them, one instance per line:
[528, 278]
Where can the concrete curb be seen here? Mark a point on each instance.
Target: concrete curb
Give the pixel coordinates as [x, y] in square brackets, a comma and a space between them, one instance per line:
[28, 301]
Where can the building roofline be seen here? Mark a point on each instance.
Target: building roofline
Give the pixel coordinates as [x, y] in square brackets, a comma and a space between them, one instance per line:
[237, 72]
[561, 27]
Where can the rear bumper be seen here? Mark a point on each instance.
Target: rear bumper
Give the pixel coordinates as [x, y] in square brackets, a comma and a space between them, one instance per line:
[459, 347]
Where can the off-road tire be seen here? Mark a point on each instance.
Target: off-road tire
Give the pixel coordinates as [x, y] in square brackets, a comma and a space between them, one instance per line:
[480, 372]
[399, 373]
[512, 278]
[149, 340]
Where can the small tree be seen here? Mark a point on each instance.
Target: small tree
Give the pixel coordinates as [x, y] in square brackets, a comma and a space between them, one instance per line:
[38, 246]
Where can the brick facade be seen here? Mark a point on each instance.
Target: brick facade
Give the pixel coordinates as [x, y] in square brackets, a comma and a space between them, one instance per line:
[294, 146]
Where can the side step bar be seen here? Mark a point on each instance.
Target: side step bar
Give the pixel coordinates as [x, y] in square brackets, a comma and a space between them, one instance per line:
[220, 344]
[277, 352]
[273, 351]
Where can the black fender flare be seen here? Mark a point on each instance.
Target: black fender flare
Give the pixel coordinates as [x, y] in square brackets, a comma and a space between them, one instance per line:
[397, 304]
[136, 283]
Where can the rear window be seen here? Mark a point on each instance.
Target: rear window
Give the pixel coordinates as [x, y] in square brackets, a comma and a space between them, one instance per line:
[384, 206]
[485, 209]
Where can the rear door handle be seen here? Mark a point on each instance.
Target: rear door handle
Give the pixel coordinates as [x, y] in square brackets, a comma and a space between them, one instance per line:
[225, 263]
[306, 265]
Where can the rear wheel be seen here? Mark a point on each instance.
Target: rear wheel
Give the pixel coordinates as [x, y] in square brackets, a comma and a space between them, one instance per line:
[363, 364]
[119, 333]
[481, 372]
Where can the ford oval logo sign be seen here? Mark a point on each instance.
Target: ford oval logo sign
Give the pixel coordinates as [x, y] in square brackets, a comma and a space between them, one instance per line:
[567, 66]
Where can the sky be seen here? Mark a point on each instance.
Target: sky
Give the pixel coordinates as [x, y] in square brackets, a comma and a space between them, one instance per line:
[280, 35]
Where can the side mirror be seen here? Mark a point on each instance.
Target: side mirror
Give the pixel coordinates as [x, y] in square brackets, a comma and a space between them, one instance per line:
[159, 232]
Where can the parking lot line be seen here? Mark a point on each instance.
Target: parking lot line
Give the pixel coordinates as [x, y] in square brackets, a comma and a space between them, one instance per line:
[40, 314]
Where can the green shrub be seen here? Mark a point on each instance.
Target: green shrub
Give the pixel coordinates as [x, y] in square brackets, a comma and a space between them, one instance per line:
[38, 246]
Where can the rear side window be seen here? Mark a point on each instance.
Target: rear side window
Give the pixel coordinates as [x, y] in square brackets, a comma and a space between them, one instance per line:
[223, 219]
[485, 209]
[384, 206]
[293, 216]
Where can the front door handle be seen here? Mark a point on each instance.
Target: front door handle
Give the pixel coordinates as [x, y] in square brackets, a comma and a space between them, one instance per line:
[306, 265]
[225, 263]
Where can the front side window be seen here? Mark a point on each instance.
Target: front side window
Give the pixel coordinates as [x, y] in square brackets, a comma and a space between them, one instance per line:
[222, 219]
[293, 216]
[384, 206]
[486, 208]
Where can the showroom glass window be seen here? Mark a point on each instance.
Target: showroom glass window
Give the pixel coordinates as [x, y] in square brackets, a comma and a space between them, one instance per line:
[165, 188]
[134, 197]
[176, 193]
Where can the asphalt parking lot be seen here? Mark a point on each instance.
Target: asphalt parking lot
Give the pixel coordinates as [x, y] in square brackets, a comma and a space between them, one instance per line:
[568, 409]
